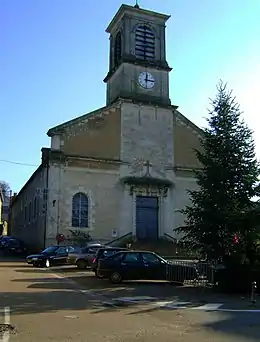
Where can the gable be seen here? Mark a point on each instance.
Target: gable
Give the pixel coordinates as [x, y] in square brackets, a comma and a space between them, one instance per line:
[93, 135]
[186, 138]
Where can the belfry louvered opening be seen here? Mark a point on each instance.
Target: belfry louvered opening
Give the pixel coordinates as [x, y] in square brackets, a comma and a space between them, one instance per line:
[144, 43]
[117, 49]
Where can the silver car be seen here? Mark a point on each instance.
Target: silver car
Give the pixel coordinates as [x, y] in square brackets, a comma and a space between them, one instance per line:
[84, 258]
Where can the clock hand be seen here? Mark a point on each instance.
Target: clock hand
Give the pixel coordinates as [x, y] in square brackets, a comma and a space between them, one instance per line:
[146, 77]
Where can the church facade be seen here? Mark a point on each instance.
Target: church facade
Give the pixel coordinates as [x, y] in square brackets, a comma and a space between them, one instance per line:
[124, 168]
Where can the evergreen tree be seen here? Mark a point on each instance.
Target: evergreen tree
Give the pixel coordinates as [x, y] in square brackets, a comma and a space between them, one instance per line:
[227, 182]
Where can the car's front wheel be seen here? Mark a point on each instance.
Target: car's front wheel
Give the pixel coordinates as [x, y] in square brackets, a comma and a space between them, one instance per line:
[81, 264]
[115, 278]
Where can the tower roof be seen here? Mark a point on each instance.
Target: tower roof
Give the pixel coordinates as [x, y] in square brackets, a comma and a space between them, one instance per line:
[127, 9]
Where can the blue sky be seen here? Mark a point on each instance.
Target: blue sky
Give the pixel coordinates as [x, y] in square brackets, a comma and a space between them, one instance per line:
[54, 56]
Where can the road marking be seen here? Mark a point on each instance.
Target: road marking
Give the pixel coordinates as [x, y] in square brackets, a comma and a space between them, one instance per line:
[208, 307]
[172, 304]
[133, 299]
[6, 334]
[166, 304]
[239, 310]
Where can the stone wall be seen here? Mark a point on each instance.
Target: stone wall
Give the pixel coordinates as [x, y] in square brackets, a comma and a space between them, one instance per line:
[104, 193]
[181, 199]
[146, 135]
[29, 210]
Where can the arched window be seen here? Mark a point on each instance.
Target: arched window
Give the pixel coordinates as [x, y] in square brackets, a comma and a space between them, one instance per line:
[80, 210]
[117, 49]
[144, 43]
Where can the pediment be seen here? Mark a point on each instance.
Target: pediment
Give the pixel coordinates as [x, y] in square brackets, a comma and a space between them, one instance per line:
[96, 134]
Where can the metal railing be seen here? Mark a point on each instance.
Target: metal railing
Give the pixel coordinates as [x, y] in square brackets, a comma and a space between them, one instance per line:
[188, 272]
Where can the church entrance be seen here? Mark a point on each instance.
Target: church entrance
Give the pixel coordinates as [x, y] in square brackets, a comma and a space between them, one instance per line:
[146, 218]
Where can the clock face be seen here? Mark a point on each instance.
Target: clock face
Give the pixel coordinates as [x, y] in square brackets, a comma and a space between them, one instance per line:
[146, 80]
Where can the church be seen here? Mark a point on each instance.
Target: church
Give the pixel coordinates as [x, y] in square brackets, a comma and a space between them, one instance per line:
[123, 169]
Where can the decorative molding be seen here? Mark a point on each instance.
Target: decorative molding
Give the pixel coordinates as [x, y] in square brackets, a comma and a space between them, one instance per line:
[148, 190]
[87, 170]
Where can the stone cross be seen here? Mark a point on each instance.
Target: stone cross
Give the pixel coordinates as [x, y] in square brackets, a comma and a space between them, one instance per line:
[147, 164]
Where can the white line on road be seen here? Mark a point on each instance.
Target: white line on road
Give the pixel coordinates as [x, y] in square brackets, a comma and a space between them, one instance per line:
[166, 304]
[208, 307]
[6, 334]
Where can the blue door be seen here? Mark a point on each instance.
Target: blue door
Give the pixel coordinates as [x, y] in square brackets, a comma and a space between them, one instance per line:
[146, 218]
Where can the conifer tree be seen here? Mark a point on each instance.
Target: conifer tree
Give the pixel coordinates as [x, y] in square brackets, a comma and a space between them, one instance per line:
[227, 182]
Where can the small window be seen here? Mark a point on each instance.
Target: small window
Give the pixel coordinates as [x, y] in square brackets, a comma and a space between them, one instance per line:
[35, 208]
[93, 250]
[116, 256]
[108, 253]
[30, 211]
[144, 43]
[62, 250]
[150, 258]
[73, 249]
[25, 214]
[132, 257]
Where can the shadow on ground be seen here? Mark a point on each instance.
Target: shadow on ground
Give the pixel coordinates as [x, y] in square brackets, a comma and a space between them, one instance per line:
[12, 265]
[101, 287]
[234, 324]
[240, 324]
[56, 294]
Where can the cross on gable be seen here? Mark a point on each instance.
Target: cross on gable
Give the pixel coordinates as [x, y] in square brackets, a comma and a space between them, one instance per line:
[147, 164]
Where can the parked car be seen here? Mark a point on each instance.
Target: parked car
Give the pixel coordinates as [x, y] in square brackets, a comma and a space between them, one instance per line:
[15, 246]
[103, 253]
[4, 239]
[141, 265]
[83, 258]
[51, 256]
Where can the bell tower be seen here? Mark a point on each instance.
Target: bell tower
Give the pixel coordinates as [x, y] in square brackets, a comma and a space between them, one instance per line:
[138, 69]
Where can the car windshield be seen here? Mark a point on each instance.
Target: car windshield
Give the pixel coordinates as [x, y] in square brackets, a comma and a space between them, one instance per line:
[49, 250]
[161, 258]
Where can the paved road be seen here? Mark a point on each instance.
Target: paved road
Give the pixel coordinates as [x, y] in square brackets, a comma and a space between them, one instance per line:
[47, 308]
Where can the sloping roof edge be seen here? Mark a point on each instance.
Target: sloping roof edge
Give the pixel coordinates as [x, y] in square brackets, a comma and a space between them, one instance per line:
[59, 128]
[189, 123]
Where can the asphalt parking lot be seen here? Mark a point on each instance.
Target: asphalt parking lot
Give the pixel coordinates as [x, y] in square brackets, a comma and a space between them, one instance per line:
[64, 304]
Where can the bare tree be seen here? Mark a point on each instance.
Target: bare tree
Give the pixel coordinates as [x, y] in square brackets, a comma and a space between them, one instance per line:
[6, 190]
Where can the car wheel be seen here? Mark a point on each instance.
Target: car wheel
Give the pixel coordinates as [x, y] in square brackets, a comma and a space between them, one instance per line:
[98, 275]
[81, 264]
[115, 278]
[47, 263]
